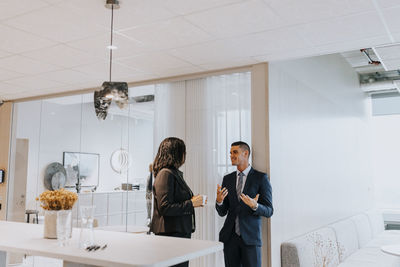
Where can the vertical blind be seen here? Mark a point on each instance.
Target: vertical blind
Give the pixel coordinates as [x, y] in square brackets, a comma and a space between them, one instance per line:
[208, 114]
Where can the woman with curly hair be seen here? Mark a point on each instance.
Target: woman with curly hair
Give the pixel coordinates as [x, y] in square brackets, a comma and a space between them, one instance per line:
[174, 203]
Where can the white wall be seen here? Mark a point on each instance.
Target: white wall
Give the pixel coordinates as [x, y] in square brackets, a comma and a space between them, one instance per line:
[386, 151]
[320, 159]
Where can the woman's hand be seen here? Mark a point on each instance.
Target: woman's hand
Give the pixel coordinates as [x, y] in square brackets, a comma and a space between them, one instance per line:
[197, 201]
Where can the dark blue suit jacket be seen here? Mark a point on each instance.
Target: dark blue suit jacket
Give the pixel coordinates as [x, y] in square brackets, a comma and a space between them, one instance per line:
[250, 221]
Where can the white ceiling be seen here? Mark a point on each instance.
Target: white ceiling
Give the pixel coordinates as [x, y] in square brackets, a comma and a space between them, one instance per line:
[52, 46]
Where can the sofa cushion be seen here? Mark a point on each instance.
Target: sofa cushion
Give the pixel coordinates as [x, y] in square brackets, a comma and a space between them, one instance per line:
[383, 240]
[318, 248]
[376, 221]
[363, 228]
[371, 257]
[346, 236]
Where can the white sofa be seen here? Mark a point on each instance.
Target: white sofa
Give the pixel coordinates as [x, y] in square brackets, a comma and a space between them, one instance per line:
[353, 242]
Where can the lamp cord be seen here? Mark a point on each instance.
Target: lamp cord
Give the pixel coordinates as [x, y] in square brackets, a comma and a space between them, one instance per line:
[111, 42]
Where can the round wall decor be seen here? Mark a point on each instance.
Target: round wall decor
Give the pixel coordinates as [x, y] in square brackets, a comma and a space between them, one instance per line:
[120, 160]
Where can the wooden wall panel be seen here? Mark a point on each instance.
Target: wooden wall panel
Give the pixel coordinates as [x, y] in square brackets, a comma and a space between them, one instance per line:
[5, 137]
[260, 141]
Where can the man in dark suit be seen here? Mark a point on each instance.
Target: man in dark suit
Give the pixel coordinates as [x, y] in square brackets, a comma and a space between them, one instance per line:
[245, 195]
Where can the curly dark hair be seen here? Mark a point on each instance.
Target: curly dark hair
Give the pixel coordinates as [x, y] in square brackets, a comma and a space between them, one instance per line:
[171, 154]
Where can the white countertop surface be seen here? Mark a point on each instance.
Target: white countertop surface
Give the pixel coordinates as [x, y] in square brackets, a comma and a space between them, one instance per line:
[123, 228]
[123, 249]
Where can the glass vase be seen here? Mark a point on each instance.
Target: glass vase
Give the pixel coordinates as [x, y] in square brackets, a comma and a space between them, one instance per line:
[86, 237]
[64, 227]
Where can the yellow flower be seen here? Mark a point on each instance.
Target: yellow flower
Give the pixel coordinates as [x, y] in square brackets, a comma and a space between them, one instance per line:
[58, 200]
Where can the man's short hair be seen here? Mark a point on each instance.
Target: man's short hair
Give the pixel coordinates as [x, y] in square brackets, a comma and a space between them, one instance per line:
[242, 145]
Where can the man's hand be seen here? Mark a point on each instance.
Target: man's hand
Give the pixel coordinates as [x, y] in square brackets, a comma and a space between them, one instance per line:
[251, 202]
[221, 193]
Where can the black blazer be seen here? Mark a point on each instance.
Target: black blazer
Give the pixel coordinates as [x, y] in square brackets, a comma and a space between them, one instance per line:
[173, 210]
[250, 221]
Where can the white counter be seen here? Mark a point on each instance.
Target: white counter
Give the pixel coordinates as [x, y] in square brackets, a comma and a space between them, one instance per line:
[123, 249]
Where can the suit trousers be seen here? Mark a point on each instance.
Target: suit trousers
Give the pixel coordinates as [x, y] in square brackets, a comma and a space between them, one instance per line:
[238, 254]
[182, 235]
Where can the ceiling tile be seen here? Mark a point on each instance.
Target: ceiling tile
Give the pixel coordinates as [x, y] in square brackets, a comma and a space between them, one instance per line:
[137, 77]
[242, 18]
[100, 70]
[154, 62]
[11, 8]
[6, 88]
[130, 14]
[33, 83]
[269, 41]
[287, 55]
[388, 52]
[138, 12]
[391, 16]
[388, 3]
[349, 28]
[25, 65]
[352, 44]
[56, 24]
[61, 55]
[17, 41]
[7, 75]
[294, 12]
[97, 46]
[183, 7]
[67, 76]
[207, 52]
[4, 54]
[392, 64]
[168, 34]
[234, 62]
[69, 88]
[53, 2]
[180, 71]
[396, 37]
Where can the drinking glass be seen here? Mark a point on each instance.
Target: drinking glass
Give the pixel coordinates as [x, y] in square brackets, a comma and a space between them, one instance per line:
[64, 226]
[86, 237]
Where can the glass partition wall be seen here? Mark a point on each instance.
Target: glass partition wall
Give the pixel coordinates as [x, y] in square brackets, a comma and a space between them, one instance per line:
[106, 161]
[109, 160]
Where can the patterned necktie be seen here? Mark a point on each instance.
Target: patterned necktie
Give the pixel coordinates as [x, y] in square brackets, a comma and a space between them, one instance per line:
[238, 192]
[239, 185]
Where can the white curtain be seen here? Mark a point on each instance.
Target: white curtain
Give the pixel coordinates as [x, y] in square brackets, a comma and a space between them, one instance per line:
[209, 114]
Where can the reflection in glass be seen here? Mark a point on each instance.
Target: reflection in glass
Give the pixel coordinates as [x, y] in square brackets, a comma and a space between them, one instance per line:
[86, 237]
